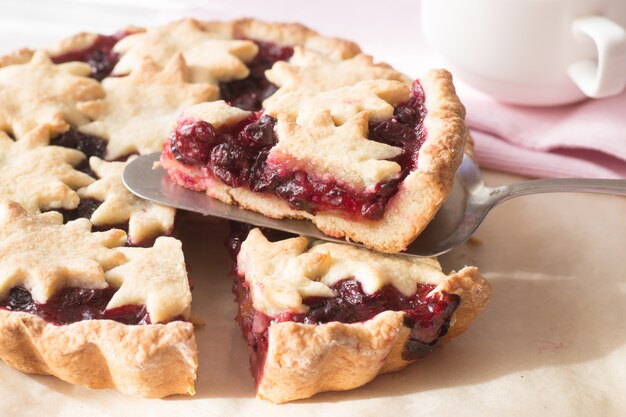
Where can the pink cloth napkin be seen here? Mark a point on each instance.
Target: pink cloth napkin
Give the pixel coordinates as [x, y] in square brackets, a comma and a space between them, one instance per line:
[586, 139]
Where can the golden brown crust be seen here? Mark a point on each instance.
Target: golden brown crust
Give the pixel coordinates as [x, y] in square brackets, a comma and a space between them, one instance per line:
[474, 291]
[303, 360]
[151, 361]
[82, 40]
[286, 34]
[72, 43]
[21, 56]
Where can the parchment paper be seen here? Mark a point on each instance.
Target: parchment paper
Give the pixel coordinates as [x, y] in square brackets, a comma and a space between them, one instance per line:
[550, 343]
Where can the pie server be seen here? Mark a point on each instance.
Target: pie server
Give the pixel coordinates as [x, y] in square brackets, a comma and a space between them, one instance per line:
[460, 215]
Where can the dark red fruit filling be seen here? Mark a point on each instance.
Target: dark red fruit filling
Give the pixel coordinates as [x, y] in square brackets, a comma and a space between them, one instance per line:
[99, 56]
[237, 156]
[254, 325]
[249, 93]
[87, 144]
[427, 317]
[191, 142]
[85, 209]
[75, 304]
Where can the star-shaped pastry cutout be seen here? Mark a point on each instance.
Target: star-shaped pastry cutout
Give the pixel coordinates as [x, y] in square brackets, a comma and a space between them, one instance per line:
[38, 176]
[342, 153]
[139, 110]
[211, 57]
[145, 218]
[281, 273]
[377, 98]
[41, 93]
[44, 255]
[311, 72]
[155, 277]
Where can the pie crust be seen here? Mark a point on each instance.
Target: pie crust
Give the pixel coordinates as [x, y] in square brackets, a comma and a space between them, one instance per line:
[39, 176]
[23, 107]
[152, 361]
[165, 94]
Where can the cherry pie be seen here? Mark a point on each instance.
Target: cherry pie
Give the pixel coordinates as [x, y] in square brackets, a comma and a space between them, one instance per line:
[325, 316]
[273, 117]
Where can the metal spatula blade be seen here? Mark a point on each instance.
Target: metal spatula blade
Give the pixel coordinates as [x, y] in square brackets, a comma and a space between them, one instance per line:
[460, 215]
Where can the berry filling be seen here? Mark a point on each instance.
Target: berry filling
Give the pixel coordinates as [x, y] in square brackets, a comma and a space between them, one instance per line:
[237, 155]
[85, 209]
[249, 93]
[100, 55]
[87, 144]
[426, 315]
[71, 305]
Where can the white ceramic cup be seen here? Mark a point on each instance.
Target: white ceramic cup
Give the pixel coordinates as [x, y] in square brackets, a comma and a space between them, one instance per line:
[533, 52]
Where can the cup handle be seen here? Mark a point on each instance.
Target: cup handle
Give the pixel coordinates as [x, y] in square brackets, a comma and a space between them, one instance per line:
[606, 76]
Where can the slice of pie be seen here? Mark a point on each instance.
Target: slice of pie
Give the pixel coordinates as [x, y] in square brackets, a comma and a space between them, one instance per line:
[325, 316]
[352, 145]
[76, 305]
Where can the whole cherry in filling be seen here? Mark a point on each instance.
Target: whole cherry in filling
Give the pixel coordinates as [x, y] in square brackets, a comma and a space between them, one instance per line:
[237, 157]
